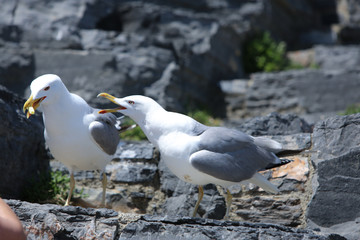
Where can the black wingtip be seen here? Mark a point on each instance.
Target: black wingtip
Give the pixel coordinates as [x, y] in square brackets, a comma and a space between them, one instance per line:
[283, 161]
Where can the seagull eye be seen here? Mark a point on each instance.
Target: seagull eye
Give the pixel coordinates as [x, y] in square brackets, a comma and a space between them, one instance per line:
[47, 88]
[131, 102]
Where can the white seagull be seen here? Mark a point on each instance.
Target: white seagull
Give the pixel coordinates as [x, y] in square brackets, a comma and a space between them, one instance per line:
[76, 134]
[199, 154]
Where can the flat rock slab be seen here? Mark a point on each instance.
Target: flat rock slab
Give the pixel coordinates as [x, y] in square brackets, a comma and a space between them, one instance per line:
[150, 227]
[48, 221]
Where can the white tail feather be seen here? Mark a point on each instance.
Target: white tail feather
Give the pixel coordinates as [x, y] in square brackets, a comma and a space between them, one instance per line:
[262, 182]
[268, 144]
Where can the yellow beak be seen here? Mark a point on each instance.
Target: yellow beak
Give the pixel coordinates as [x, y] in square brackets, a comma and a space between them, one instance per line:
[111, 98]
[31, 105]
[108, 96]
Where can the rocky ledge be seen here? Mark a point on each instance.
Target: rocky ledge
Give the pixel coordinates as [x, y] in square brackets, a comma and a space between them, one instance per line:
[49, 221]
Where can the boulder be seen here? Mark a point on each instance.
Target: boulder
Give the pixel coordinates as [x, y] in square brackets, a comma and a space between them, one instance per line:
[336, 157]
[17, 67]
[138, 39]
[337, 57]
[23, 158]
[271, 124]
[349, 19]
[304, 92]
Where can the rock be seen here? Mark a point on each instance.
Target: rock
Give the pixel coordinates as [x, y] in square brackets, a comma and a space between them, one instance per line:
[184, 228]
[49, 221]
[138, 39]
[304, 58]
[349, 16]
[23, 157]
[302, 92]
[131, 173]
[54, 28]
[336, 159]
[181, 197]
[17, 67]
[294, 143]
[337, 57]
[88, 73]
[56, 222]
[134, 164]
[136, 151]
[267, 209]
[271, 124]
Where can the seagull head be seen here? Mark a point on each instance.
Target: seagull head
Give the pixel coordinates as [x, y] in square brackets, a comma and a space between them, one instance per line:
[135, 106]
[44, 90]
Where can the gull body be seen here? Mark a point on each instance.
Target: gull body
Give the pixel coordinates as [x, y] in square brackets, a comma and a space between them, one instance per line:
[75, 133]
[200, 154]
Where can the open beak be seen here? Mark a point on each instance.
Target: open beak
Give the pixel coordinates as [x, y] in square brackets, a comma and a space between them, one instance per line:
[31, 105]
[111, 98]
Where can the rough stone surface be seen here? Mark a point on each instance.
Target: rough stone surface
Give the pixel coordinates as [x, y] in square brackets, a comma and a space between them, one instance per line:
[124, 47]
[132, 179]
[336, 159]
[195, 228]
[17, 67]
[271, 124]
[49, 221]
[337, 57]
[302, 91]
[22, 155]
[349, 16]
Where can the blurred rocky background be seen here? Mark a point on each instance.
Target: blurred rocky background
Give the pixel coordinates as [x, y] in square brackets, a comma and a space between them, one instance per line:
[279, 68]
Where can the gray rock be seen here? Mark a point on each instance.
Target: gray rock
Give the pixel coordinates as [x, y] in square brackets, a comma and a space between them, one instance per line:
[181, 197]
[336, 159]
[88, 73]
[136, 151]
[271, 124]
[267, 209]
[52, 221]
[134, 164]
[56, 222]
[295, 142]
[337, 57]
[335, 137]
[55, 27]
[17, 67]
[23, 157]
[184, 228]
[349, 16]
[302, 91]
[124, 172]
[138, 39]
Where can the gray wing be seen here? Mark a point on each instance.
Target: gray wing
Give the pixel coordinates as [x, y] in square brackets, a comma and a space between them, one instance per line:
[104, 132]
[230, 155]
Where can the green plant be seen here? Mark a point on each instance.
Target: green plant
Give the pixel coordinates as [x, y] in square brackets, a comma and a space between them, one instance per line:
[204, 117]
[352, 109]
[263, 53]
[134, 134]
[50, 187]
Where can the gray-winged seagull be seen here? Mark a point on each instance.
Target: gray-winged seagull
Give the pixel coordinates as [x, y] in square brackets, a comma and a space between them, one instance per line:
[199, 154]
[76, 134]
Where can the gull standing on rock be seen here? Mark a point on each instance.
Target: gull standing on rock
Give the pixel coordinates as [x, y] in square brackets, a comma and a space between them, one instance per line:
[199, 154]
[76, 134]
